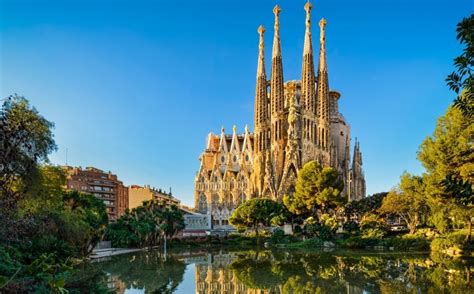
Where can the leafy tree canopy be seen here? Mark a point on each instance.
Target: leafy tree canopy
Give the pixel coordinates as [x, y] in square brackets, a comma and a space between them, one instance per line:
[317, 188]
[407, 201]
[461, 81]
[257, 212]
[449, 151]
[26, 139]
[365, 205]
[448, 156]
[146, 225]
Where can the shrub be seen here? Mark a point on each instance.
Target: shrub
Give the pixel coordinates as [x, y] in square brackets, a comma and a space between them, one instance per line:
[329, 221]
[408, 242]
[277, 235]
[373, 233]
[399, 243]
[455, 240]
[372, 221]
[351, 227]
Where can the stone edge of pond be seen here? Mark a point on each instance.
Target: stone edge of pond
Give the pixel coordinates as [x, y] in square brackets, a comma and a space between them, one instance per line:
[99, 254]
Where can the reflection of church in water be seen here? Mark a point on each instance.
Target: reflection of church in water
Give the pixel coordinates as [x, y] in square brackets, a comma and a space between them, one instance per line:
[294, 122]
[213, 276]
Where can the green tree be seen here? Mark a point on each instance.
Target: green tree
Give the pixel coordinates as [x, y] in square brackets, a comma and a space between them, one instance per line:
[146, 225]
[92, 212]
[407, 201]
[462, 81]
[26, 139]
[367, 205]
[257, 212]
[44, 190]
[42, 226]
[317, 188]
[172, 221]
[448, 157]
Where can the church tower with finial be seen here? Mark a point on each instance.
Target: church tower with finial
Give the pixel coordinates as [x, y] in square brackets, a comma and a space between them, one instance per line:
[294, 122]
[308, 94]
[323, 98]
[261, 118]
[277, 104]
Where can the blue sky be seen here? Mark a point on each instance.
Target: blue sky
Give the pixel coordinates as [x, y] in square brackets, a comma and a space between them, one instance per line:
[135, 86]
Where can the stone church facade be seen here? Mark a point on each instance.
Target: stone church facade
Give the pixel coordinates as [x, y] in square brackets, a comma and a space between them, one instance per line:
[294, 122]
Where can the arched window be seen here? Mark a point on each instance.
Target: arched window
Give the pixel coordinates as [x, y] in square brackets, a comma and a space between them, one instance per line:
[202, 202]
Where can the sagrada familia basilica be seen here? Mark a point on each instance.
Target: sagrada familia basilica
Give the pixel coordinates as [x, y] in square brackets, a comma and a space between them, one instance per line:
[295, 122]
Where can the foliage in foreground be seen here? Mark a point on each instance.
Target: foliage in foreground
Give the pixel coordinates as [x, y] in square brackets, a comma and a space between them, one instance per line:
[44, 228]
[461, 81]
[145, 226]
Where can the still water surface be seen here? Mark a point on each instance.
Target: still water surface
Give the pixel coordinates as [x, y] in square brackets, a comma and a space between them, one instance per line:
[283, 271]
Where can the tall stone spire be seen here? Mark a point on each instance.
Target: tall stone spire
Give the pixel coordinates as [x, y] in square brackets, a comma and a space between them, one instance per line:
[357, 189]
[261, 118]
[323, 90]
[307, 77]
[261, 52]
[277, 98]
[308, 92]
[276, 38]
[276, 82]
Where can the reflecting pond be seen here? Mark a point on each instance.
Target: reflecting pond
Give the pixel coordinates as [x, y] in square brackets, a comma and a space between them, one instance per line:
[281, 271]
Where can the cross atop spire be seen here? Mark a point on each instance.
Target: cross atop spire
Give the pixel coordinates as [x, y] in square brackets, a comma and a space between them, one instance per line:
[276, 10]
[261, 31]
[322, 22]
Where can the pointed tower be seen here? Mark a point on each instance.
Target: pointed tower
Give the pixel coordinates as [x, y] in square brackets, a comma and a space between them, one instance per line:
[308, 93]
[323, 91]
[357, 174]
[222, 151]
[261, 117]
[347, 155]
[278, 118]
[234, 152]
